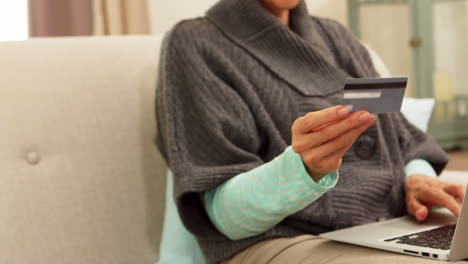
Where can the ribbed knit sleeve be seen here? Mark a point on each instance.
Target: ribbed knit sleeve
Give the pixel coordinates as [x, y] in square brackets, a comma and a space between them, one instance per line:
[205, 129]
[255, 201]
[421, 167]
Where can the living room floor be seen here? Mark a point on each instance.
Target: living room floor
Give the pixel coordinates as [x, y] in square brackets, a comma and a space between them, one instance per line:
[458, 160]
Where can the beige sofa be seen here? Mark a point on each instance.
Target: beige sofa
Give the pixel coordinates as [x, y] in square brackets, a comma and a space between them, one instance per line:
[80, 178]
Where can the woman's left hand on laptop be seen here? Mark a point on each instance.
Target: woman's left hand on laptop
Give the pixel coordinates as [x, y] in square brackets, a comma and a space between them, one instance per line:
[424, 192]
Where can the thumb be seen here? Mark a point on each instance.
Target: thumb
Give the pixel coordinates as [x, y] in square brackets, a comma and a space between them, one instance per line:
[422, 213]
[417, 209]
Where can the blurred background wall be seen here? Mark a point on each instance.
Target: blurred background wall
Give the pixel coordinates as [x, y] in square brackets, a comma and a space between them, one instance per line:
[48, 18]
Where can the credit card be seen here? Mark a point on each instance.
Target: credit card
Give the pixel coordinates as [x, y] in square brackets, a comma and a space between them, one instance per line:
[376, 95]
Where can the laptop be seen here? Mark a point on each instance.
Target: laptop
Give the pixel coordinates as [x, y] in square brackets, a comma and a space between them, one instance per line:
[442, 236]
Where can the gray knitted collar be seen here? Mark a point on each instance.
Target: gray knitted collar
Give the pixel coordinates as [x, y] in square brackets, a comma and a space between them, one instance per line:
[297, 54]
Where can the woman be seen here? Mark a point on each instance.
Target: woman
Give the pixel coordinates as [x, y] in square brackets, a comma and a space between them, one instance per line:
[263, 157]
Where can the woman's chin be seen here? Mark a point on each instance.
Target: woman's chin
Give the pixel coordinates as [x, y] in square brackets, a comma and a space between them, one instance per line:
[289, 4]
[282, 4]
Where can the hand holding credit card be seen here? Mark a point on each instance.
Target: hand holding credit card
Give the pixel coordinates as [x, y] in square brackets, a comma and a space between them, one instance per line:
[376, 95]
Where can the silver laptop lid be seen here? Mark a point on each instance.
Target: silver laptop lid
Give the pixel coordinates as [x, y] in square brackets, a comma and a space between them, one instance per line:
[459, 248]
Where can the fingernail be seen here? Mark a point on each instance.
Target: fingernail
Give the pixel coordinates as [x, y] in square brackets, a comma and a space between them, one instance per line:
[343, 111]
[373, 117]
[364, 117]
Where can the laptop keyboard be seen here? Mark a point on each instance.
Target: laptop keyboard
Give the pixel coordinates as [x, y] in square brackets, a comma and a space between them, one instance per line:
[438, 238]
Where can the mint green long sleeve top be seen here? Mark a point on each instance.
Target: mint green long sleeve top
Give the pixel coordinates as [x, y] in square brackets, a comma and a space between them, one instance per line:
[253, 202]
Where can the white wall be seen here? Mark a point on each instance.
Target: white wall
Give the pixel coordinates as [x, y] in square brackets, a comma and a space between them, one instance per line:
[387, 29]
[336, 9]
[450, 41]
[13, 20]
[166, 13]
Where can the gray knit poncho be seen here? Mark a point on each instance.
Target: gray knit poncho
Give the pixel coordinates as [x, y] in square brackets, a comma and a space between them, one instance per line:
[231, 85]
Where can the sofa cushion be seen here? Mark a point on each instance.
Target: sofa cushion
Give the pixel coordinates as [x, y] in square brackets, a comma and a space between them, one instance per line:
[81, 180]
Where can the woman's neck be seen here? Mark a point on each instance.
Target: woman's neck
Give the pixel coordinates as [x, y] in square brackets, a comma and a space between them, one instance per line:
[281, 14]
